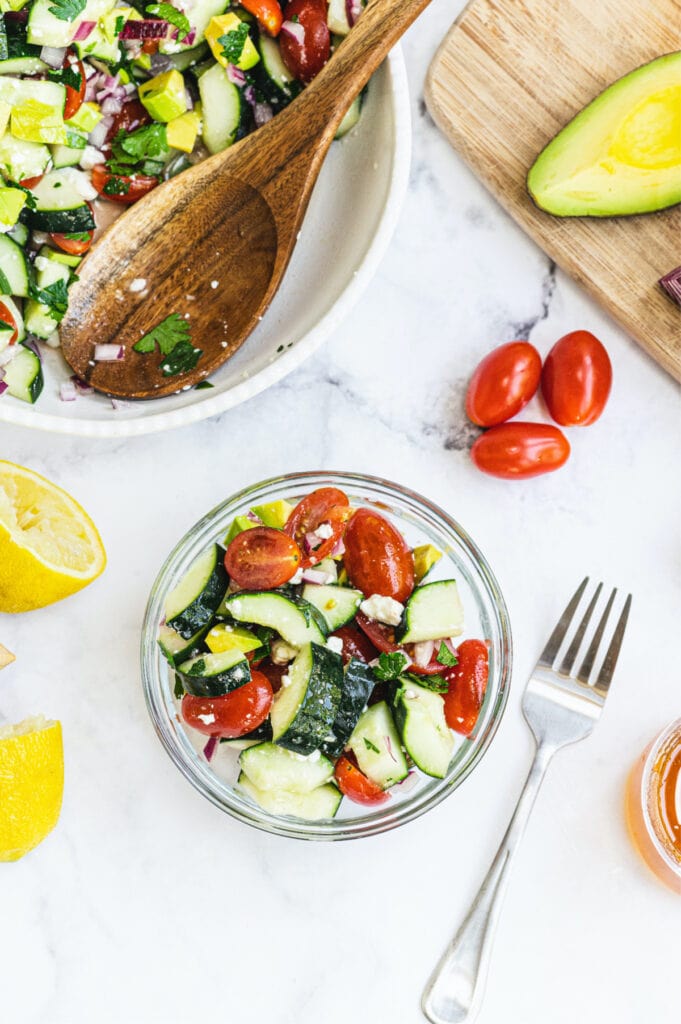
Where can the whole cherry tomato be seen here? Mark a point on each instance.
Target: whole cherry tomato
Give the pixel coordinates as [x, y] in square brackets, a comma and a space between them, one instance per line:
[75, 244]
[232, 715]
[383, 639]
[355, 785]
[7, 318]
[377, 558]
[515, 451]
[120, 187]
[74, 97]
[327, 506]
[503, 383]
[305, 57]
[267, 12]
[356, 644]
[576, 379]
[262, 558]
[467, 684]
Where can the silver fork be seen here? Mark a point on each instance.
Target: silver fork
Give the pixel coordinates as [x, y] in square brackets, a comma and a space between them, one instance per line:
[560, 706]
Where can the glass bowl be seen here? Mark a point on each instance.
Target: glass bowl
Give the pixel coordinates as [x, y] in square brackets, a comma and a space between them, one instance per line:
[486, 617]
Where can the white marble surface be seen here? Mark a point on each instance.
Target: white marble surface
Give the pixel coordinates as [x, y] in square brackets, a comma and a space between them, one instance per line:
[146, 904]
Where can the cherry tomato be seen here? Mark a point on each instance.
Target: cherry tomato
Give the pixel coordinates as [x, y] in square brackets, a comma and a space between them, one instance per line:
[355, 785]
[73, 246]
[383, 639]
[31, 182]
[306, 58]
[503, 383]
[273, 672]
[262, 558]
[131, 116]
[576, 379]
[74, 97]
[377, 558]
[267, 12]
[515, 451]
[467, 684]
[150, 46]
[7, 317]
[121, 188]
[326, 505]
[356, 644]
[233, 715]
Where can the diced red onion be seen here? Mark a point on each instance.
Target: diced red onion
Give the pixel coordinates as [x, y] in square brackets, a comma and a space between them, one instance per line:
[262, 113]
[3, 387]
[294, 30]
[108, 353]
[188, 99]
[353, 9]
[188, 39]
[53, 56]
[671, 283]
[67, 391]
[145, 29]
[83, 31]
[111, 106]
[117, 405]
[82, 385]
[408, 783]
[31, 343]
[6, 356]
[160, 62]
[249, 95]
[390, 747]
[209, 748]
[2, 373]
[423, 652]
[317, 576]
[236, 75]
[338, 548]
[252, 518]
[97, 136]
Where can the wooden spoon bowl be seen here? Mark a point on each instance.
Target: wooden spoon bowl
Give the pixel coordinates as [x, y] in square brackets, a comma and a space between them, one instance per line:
[212, 244]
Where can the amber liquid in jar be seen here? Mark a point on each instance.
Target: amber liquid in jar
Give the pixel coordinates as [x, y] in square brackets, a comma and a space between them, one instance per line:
[654, 806]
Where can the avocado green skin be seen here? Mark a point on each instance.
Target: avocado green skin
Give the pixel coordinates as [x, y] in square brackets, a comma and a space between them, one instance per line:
[624, 189]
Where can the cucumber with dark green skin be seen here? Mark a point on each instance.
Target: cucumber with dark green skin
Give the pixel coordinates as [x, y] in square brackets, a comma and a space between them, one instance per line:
[17, 55]
[312, 614]
[303, 712]
[214, 675]
[194, 601]
[66, 222]
[358, 684]
[24, 375]
[337, 605]
[420, 720]
[176, 648]
[277, 611]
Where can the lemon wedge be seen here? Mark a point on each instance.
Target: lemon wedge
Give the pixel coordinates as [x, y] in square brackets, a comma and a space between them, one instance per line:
[31, 784]
[50, 547]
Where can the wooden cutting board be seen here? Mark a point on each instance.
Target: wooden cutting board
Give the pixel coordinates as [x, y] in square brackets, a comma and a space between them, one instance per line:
[508, 76]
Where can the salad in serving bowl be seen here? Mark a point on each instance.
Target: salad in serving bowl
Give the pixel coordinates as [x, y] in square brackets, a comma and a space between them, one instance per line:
[326, 655]
[100, 102]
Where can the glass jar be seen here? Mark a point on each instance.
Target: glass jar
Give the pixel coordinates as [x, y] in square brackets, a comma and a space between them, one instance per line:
[654, 805]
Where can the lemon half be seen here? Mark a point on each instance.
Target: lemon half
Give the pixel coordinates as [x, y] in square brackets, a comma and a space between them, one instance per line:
[31, 784]
[49, 546]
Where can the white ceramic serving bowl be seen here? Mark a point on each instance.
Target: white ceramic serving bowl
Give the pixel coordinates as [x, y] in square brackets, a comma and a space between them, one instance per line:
[349, 223]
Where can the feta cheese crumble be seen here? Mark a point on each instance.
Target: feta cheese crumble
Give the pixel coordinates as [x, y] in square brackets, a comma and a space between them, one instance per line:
[335, 644]
[281, 652]
[383, 609]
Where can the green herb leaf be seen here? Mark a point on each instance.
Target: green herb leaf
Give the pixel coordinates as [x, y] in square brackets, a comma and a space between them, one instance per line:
[233, 43]
[179, 688]
[75, 140]
[445, 656]
[438, 684]
[69, 75]
[371, 746]
[390, 665]
[120, 25]
[173, 16]
[4, 326]
[166, 335]
[67, 10]
[183, 358]
[143, 144]
[5, 288]
[79, 236]
[203, 385]
[116, 187]
[30, 198]
[55, 296]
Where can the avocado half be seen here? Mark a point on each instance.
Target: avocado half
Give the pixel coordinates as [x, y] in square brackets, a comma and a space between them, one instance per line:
[621, 154]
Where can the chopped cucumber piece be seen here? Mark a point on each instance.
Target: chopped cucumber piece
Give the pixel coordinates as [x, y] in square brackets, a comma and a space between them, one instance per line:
[24, 375]
[358, 682]
[303, 712]
[337, 604]
[420, 717]
[193, 602]
[267, 608]
[213, 675]
[321, 803]
[272, 767]
[433, 612]
[376, 745]
[14, 266]
[176, 648]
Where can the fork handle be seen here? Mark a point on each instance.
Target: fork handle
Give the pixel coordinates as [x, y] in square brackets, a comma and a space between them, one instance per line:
[454, 989]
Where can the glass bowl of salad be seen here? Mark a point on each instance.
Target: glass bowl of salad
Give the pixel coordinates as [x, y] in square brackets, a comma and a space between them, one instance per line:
[326, 655]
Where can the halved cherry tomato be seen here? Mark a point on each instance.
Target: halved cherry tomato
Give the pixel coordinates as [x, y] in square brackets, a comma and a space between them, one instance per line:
[31, 182]
[355, 785]
[233, 715]
[121, 188]
[267, 12]
[576, 379]
[503, 383]
[73, 246]
[132, 115]
[306, 58]
[7, 318]
[383, 639]
[326, 505]
[74, 97]
[377, 558]
[467, 684]
[262, 558]
[356, 644]
[515, 451]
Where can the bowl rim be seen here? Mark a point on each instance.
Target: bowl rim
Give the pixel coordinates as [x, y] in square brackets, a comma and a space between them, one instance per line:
[203, 779]
[205, 407]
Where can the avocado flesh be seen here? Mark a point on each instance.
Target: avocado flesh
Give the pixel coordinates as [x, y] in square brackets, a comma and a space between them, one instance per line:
[621, 154]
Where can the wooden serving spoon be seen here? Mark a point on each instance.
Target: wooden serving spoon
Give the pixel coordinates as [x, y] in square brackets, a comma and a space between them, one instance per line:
[212, 244]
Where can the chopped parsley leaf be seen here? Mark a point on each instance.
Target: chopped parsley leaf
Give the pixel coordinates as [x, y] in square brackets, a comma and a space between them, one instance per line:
[67, 10]
[116, 187]
[445, 656]
[54, 296]
[233, 43]
[169, 333]
[390, 665]
[5, 287]
[183, 358]
[438, 684]
[203, 385]
[69, 75]
[371, 746]
[173, 17]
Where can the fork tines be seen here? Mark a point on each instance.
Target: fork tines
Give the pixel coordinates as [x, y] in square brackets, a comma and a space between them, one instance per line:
[568, 665]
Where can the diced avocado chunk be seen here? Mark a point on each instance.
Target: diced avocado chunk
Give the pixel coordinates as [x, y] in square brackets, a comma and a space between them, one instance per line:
[12, 202]
[228, 34]
[164, 96]
[621, 154]
[34, 121]
[5, 111]
[182, 131]
[85, 118]
[274, 513]
[238, 526]
[425, 557]
[224, 637]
